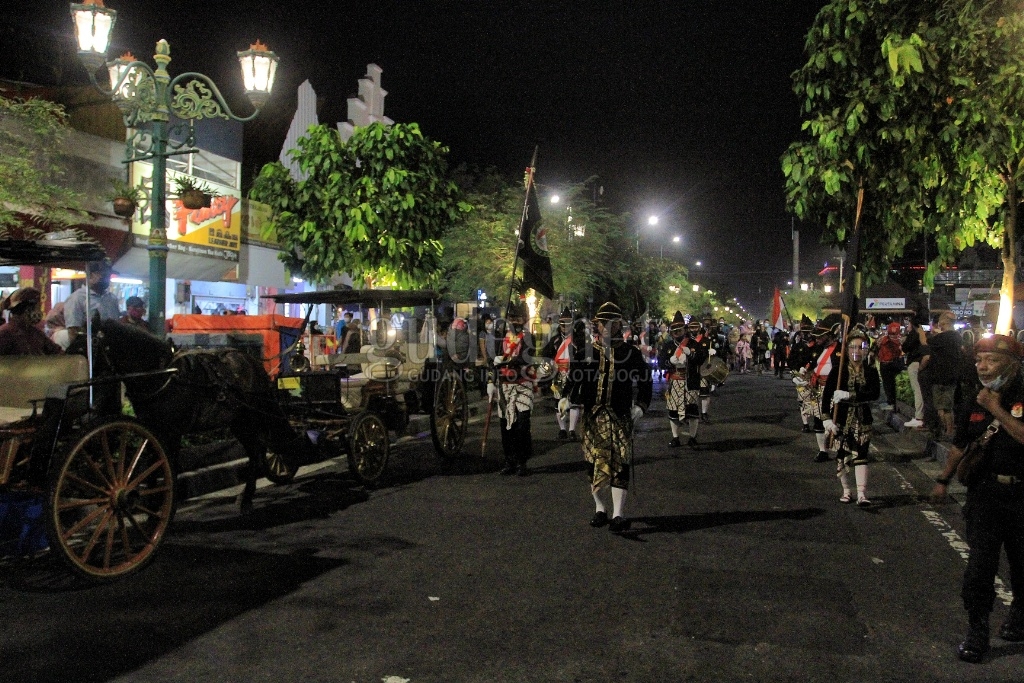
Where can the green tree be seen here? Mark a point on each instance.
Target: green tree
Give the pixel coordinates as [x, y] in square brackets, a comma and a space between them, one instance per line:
[916, 103]
[374, 207]
[800, 303]
[984, 102]
[32, 135]
[479, 248]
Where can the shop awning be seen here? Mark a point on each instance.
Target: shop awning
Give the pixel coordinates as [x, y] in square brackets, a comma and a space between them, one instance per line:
[135, 263]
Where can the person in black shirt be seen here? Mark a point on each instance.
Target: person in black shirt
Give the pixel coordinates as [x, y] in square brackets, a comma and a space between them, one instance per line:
[941, 370]
[613, 382]
[994, 511]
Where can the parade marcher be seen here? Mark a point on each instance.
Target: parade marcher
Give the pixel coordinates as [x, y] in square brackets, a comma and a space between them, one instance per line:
[615, 388]
[759, 343]
[990, 425]
[850, 389]
[559, 348]
[719, 344]
[514, 392]
[102, 301]
[801, 356]
[682, 356]
[20, 335]
[826, 348]
[780, 350]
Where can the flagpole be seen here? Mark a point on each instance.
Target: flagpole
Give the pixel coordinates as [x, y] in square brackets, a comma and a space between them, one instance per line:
[788, 314]
[519, 230]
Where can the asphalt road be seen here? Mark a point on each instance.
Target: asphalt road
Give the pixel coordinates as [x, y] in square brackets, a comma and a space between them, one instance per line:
[741, 565]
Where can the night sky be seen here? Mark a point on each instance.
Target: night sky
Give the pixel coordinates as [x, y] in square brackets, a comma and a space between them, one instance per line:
[682, 108]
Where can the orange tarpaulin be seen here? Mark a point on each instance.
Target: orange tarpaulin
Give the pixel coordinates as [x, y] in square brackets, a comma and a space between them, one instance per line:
[270, 327]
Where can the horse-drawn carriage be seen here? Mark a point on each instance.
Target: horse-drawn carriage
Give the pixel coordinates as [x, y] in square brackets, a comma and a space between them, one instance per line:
[347, 403]
[105, 480]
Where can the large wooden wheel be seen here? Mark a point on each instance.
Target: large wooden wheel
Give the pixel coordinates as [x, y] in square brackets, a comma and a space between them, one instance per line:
[278, 468]
[368, 448]
[111, 500]
[450, 416]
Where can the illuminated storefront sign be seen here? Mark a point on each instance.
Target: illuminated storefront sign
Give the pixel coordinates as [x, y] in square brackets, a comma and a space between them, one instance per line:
[213, 231]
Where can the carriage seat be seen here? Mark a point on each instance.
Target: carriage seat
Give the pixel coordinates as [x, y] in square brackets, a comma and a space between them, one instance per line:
[23, 378]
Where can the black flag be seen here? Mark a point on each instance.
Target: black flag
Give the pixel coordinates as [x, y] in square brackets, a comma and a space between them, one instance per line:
[533, 244]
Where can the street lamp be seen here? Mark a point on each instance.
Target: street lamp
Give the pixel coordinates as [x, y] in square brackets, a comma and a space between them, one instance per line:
[676, 239]
[147, 98]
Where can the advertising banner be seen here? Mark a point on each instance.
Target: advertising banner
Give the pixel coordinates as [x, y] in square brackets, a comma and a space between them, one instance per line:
[213, 231]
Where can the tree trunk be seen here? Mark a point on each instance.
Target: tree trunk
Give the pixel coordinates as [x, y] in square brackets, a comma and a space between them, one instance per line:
[1009, 255]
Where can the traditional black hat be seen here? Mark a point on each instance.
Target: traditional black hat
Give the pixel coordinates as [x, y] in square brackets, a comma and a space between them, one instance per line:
[517, 309]
[832, 324]
[678, 322]
[608, 312]
[565, 315]
[806, 324]
[693, 322]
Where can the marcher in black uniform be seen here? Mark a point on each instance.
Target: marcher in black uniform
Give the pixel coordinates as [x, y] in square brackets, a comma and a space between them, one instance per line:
[682, 356]
[848, 400]
[759, 345]
[780, 350]
[719, 344]
[994, 511]
[606, 381]
[514, 392]
[801, 355]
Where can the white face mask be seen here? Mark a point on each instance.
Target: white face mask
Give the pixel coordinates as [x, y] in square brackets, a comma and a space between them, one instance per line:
[995, 384]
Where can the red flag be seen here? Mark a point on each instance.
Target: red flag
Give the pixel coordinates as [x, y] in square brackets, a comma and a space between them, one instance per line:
[777, 320]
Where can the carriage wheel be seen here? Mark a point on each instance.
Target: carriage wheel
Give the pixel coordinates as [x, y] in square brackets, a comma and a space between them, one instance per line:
[111, 500]
[277, 468]
[368, 448]
[450, 417]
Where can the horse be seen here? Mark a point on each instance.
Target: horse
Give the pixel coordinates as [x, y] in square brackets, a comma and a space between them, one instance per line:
[212, 388]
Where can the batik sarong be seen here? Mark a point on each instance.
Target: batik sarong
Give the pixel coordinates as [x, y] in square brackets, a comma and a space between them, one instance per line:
[608, 446]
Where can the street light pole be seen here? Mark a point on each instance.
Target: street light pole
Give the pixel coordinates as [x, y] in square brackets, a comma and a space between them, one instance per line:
[147, 98]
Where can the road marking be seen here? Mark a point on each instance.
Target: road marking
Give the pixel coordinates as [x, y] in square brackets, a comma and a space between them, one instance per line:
[952, 537]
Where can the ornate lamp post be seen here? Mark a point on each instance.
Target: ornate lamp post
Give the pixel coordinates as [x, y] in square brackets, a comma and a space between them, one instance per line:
[147, 98]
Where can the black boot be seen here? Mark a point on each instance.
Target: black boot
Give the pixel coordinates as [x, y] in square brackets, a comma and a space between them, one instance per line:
[674, 443]
[975, 645]
[806, 429]
[1012, 629]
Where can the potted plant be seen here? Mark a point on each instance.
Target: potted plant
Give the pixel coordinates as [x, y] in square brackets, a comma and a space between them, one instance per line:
[194, 194]
[125, 197]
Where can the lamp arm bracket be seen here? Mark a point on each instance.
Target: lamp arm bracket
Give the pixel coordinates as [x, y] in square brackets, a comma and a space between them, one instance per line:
[200, 98]
[128, 71]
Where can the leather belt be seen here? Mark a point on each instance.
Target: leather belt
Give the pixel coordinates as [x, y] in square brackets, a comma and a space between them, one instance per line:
[1006, 479]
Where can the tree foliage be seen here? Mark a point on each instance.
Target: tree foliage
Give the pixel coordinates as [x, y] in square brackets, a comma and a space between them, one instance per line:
[32, 135]
[479, 249]
[374, 207]
[918, 103]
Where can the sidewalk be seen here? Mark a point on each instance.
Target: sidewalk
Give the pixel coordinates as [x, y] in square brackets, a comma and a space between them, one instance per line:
[896, 443]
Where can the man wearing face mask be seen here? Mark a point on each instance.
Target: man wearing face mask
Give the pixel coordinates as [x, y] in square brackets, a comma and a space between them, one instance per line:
[102, 301]
[20, 335]
[850, 389]
[994, 511]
